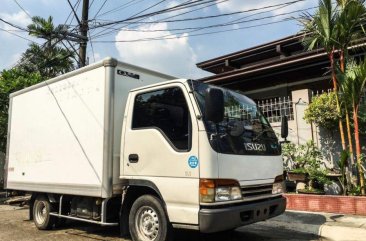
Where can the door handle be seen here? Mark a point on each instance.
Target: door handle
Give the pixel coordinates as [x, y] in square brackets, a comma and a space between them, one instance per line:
[133, 158]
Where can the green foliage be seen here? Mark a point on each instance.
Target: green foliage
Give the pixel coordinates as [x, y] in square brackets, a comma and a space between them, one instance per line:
[323, 111]
[333, 26]
[307, 159]
[48, 62]
[355, 191]
[299, 157]
[10, 81]
[49, 59]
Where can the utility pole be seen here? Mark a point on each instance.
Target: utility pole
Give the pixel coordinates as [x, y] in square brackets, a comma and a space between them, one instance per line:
[84, 33]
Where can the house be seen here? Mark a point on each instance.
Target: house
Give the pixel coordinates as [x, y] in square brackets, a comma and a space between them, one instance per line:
[281, 76]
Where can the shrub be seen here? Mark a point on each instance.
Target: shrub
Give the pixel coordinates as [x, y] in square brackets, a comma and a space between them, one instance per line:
[323, 111]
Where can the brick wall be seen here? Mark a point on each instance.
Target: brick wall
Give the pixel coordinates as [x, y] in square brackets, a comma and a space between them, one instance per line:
[327, 203]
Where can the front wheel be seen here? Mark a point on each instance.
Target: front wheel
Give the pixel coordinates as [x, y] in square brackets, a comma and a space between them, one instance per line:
[148, 220]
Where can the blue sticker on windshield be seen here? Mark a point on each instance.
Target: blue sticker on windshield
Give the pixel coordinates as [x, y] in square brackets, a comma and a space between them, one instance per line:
[193, 161]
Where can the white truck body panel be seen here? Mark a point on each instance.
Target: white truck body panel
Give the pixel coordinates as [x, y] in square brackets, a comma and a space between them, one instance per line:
[58, 130]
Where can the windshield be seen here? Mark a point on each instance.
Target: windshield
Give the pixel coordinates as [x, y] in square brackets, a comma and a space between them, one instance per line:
[244, 130]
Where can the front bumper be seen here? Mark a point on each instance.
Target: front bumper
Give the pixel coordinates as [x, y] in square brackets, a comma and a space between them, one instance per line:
[220, 219]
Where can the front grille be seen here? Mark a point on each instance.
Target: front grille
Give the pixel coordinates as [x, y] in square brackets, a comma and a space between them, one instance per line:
[254, 192]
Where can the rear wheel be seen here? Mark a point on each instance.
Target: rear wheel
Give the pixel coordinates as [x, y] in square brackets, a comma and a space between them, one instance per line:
[148, 220]
[41, 213]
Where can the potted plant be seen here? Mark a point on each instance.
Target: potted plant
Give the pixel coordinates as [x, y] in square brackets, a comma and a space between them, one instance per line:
[303, 165]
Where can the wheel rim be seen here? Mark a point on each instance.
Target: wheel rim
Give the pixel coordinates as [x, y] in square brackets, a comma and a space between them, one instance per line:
[41, 212]
[147, 223]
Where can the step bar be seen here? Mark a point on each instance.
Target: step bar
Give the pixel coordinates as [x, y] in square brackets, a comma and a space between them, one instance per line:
[103, 222]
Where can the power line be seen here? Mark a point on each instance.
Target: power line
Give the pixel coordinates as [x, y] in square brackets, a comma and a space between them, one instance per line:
[121, 7]
[222, 15]
[13, 25]
[205, 17]
[91, 44]
[136, 14]
[218, 25]
[91, 4]
[22, 9]
[194, 35]
[73, 10]
[8, 31]
[184, 5]
[100, 8]
[174, 36]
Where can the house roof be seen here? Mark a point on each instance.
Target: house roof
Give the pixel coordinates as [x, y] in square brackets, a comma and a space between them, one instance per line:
[274, 49]
[279, 56]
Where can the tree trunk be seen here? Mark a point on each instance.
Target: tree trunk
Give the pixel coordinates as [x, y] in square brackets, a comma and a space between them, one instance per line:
[358, 149]
[335, 89]
[348, 125]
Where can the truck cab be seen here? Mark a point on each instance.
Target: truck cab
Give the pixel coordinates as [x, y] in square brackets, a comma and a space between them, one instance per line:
[211, 155]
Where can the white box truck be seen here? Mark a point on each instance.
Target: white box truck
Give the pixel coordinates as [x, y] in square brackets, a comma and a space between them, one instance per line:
[116, 144]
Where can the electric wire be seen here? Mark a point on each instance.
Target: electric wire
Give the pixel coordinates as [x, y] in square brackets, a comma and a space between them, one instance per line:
[71, 12]
[184, 5]
[105, 1]
[217, 25]
[136, 14]
[174, 36]
[121, 7]
[22, 9]
[194, 35]
[10, 32]
[249, 10]
[92, 47]
[140, 22]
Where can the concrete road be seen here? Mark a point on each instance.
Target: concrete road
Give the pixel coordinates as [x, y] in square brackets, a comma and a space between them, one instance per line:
[14, 225]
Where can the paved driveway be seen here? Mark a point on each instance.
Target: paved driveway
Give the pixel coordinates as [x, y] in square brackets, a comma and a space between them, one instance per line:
[14, 225]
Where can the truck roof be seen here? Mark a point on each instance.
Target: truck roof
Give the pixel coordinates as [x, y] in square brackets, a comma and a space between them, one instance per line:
[160, 83]
[105, 62]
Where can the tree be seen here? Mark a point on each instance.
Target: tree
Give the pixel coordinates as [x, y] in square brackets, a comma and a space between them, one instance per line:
[49, 59]
[321, 32]
[353, 85]
[348, 28]
[47, 62]
[10, 81]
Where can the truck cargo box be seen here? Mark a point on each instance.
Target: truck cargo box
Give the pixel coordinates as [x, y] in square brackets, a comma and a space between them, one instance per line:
[64, 133]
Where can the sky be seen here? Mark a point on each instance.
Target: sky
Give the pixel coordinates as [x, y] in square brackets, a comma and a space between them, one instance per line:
[177, 46]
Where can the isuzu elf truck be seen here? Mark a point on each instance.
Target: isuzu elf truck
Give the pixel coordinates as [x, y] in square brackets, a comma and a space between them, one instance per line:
[119, 145]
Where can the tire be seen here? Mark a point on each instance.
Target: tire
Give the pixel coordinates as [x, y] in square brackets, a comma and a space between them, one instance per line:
[148, 220]
[41, 213]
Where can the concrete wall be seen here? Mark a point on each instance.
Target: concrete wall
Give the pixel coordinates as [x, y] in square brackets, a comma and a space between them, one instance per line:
[300, 132]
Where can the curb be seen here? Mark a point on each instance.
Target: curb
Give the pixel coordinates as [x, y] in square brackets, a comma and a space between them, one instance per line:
[342, 233]
[323, 225]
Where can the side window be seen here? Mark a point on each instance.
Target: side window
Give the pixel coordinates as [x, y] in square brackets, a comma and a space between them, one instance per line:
[167, 111]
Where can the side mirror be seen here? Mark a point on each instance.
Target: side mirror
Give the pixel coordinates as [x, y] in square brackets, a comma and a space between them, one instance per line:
[284, 127]
[214, 105]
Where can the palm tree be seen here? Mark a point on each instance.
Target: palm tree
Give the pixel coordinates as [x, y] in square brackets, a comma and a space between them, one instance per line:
[42, 28]
[49, 59]
[353, 84]
[320, 31]
[49, 62]
[349, 28]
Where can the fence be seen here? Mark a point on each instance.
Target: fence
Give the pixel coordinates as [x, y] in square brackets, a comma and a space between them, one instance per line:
[319, 92]
[274, 109]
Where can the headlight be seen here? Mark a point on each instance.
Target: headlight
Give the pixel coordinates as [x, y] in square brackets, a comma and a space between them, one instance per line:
[278, 185]
[219, 190]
